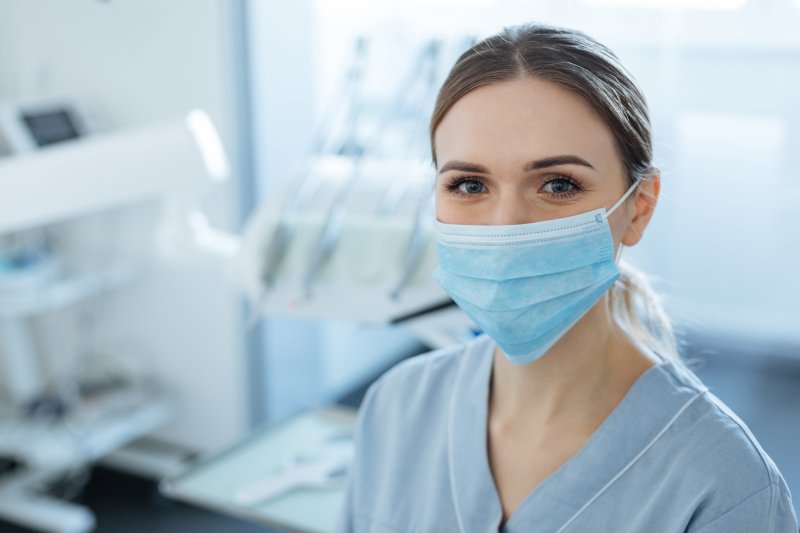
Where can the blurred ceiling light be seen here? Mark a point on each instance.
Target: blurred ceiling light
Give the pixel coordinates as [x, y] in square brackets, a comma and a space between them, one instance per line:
[670, 4]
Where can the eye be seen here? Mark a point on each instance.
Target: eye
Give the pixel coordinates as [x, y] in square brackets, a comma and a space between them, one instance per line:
[470, 187]
[463, 186]
[561, 187]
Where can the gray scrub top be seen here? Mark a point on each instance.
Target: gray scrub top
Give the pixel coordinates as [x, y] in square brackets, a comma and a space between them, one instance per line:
[671, 457]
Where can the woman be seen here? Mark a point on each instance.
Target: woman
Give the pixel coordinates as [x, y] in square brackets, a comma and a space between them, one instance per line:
[572, 413]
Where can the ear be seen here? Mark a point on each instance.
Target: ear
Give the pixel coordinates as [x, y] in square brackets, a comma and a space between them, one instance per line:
[644, 202]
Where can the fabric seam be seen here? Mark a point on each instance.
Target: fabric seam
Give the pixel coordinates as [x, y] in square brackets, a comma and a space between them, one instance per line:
[747, 434]
[635, 459]
[518, 243]
[582, 224]
[733, 508]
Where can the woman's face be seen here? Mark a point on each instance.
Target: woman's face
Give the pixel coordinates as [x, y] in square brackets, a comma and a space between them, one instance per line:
[525, 151]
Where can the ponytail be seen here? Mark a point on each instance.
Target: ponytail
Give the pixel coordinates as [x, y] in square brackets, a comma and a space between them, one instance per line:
[637, 309]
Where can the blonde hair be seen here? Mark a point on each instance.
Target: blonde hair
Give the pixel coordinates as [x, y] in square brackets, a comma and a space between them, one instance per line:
[638, 311]
[587, 67]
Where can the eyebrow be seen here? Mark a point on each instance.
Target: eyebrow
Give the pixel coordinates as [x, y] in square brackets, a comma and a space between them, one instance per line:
[533, 165]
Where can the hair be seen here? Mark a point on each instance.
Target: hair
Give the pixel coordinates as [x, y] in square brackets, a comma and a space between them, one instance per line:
[579, 63]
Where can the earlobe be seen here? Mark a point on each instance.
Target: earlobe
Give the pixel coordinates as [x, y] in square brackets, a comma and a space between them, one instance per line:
[644, 204]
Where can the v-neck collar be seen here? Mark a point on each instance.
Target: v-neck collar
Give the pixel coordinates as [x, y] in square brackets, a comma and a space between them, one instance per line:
[651, 404]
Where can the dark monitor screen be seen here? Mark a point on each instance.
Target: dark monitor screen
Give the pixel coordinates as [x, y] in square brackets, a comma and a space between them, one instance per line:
[51, 127]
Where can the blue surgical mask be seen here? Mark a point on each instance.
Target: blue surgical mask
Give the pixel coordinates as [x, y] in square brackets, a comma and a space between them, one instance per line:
[526, 285]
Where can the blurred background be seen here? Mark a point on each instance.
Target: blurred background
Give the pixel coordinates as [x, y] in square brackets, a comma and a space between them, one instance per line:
[214, 218]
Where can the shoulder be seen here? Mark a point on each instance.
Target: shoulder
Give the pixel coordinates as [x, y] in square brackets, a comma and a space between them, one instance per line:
[718, 456]
[711, 434]
[414, 395]
[409, 401]
[421, 380]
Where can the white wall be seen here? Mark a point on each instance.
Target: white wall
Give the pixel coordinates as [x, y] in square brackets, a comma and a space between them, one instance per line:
[136, 62]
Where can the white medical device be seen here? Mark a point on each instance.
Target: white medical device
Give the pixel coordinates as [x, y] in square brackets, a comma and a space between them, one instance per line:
[54, 170]
[26, 266]
[320, 468]
[351, 234]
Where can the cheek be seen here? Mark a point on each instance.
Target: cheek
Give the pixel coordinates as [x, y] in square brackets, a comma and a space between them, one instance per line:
[450, 210]
[444, 209]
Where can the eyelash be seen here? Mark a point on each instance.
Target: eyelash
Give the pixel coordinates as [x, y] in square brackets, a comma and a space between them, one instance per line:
[455, 182]
[576, 187]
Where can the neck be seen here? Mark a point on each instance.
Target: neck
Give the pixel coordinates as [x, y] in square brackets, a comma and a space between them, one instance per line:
[580, 379]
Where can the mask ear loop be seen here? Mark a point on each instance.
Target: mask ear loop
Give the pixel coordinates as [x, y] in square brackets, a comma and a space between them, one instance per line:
[624, 197]
[614, 208]
[618, 254]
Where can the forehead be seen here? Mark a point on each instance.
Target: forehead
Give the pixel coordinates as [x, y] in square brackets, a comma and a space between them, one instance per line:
[512, 122]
